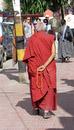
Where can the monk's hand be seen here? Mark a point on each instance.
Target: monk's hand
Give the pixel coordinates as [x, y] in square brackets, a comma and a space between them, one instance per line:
[41, 68]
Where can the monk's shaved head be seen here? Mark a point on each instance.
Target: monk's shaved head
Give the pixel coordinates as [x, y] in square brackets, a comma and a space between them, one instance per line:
[41, 26]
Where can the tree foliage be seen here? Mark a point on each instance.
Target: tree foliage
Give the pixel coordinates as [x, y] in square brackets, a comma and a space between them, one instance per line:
[37, 6]
[32, 6]
[8, 4]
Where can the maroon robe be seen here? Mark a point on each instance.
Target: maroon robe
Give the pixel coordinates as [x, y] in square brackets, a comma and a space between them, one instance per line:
[42, 86]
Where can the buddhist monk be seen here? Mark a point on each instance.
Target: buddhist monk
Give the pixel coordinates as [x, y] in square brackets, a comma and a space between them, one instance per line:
[40, 59]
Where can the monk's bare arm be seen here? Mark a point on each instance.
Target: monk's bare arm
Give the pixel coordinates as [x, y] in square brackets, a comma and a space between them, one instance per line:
[41, 68]
[52, 55]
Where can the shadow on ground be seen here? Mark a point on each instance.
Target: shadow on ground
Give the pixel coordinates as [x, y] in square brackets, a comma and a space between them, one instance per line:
[10, 73]
[65, 101]
[25, 104]
[68, 82]
[67, 123]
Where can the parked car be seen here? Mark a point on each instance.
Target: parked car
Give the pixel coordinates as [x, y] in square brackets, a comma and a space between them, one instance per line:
[6, 34]
[1, 56]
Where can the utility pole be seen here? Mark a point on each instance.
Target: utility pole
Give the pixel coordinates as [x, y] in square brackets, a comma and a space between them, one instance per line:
[19, 38]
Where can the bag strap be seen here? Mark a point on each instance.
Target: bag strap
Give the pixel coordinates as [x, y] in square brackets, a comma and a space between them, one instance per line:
[65, 29]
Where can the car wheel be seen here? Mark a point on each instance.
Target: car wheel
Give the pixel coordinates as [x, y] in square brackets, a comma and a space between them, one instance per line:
[1, 63]
[5, 56]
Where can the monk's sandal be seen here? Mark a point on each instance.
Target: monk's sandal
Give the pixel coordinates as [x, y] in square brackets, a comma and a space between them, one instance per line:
[47, 114]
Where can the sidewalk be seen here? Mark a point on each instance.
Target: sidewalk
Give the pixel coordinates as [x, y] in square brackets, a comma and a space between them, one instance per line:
[15, 103]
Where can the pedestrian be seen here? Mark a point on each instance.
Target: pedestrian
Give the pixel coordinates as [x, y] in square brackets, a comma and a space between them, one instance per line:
[70, 20]
[65, 44]
[49, 28]
[38, 20]
[39, 57]
[47, 17]
[55, 22]
[28, 30]
[46, 22]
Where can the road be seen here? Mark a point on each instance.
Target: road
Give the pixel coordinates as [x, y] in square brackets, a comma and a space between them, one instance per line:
[15, 103]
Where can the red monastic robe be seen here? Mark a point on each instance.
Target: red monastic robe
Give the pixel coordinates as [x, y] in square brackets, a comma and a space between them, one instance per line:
[37, 53]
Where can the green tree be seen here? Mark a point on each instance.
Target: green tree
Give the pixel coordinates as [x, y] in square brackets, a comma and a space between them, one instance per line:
[33, 6]
[8, 4]
[30, 6]
[37, 6]
[57, 3]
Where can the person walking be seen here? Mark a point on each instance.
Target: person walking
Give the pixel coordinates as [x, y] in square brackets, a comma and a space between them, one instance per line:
[65, 43]
[28, 30]
[39, 57]
[70, 20]
[55, 24]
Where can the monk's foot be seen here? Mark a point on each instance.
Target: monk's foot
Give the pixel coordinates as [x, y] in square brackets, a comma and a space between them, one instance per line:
[35, 112]
[47, 114]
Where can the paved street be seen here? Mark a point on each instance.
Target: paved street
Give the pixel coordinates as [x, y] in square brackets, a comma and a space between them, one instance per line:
[15, 103]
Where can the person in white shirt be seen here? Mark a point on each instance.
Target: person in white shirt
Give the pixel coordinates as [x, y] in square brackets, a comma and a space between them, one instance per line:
[28, 29]
[70, 20]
